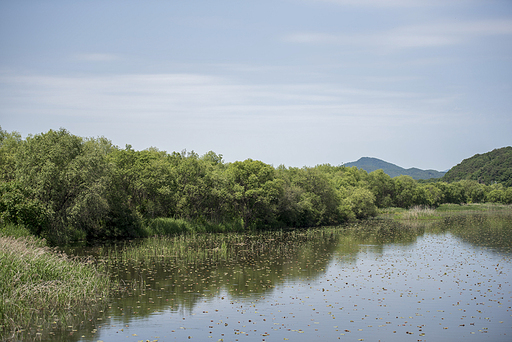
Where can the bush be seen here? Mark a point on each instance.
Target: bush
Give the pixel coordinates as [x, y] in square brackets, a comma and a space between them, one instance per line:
[362, 203]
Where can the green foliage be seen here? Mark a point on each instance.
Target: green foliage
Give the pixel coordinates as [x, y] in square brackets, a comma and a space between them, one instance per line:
[383, 187]
[405, 190]
[499, 195]
[256, 192]
[144, 178]
[487, 168]
[507, 196]
[362, 203]
[428, 195]
[14, 230]
[9, 143]
[19, 208]
[319, 201]
[67, 175]
[64, 188]
[40, 288]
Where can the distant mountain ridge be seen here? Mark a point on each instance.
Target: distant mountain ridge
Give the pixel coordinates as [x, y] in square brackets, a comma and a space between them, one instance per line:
[371, 164]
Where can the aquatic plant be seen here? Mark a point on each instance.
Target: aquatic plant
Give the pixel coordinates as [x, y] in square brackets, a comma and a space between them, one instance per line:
[394, 272]
[170, 226]
[483, 229]
[419, 212]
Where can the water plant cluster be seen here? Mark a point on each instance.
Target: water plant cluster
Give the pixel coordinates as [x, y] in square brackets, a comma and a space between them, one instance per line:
[177, 274]
[404, 279]
[63, 187]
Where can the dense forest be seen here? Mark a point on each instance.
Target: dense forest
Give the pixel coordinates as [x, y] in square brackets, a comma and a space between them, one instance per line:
[64, 187]
[487, 168]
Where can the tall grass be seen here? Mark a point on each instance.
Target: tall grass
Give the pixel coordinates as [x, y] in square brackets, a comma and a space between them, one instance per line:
[489, 229]
[43, 290]
[170, 226]
[473, 207]
[418, 212]
[443, 211]
[180, 248]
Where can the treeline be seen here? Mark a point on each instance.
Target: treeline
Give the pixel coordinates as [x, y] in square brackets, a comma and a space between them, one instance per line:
[64, 187]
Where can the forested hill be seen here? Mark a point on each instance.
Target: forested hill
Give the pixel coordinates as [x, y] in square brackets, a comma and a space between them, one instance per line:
[371, 164]
[487, 168]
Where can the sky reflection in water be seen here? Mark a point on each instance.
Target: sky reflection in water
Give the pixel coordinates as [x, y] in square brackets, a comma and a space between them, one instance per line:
[318, 285]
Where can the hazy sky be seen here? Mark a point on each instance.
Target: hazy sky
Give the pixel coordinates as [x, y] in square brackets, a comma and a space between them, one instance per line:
[418, 83]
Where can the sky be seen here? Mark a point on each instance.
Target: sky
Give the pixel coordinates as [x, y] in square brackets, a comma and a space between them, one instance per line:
[416, 83]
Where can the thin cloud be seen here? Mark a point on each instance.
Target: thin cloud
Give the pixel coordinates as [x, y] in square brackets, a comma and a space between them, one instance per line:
[202, 98]
[417, 36]
[446, 33]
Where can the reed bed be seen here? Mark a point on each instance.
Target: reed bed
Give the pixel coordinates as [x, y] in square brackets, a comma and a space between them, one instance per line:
[42, 290]
[170, 226]
[192, 248]
[443, 211]
[489, 229]
[419, 212]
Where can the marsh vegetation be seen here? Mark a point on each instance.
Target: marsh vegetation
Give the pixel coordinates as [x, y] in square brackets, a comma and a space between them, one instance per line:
[151, 222]
[43, 291]
[402, 279]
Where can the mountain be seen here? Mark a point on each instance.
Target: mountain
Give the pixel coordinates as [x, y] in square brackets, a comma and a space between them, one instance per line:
[371, 164]
[487, 168]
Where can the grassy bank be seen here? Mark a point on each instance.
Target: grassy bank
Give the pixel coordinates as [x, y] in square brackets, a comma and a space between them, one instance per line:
[443, 211]
[42, 291]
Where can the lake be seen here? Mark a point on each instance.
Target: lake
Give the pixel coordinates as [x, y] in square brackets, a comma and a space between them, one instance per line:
[441, 280]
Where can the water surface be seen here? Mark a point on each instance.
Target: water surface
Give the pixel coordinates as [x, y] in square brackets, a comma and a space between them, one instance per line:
[438, 281]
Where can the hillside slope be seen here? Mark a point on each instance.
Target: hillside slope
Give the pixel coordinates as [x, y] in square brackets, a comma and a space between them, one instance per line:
[487, 168]
[371, 164]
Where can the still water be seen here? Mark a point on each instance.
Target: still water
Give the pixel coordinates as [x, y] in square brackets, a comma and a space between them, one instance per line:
[435, 281]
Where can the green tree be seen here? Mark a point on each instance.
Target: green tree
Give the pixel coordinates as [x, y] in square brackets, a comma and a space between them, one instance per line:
[507, 196]
[362, 203]
[405, 188]
[18, 207]
[474, 192]
[147, 179]
[9, 144]
[68, 175]
[312, 195]
[290, 213]
[256, 192]
[428, 195]
[382, 186]
[201, 188]
[496, 196]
